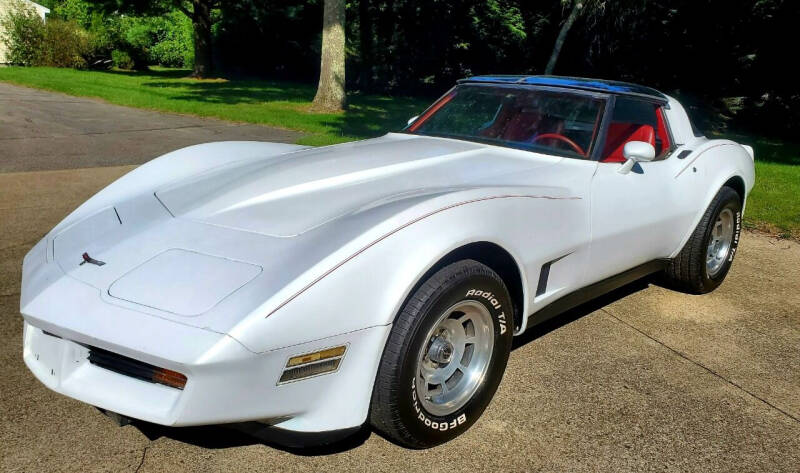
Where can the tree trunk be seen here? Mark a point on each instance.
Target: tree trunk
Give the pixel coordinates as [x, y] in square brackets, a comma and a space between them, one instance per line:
[201, 26]
[562, 36]
[365, 42]
[330, 92]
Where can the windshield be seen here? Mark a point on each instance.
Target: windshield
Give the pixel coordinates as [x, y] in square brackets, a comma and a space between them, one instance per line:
[562, 123]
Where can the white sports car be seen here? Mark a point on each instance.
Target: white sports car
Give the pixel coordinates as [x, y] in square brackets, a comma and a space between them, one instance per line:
[380, 281]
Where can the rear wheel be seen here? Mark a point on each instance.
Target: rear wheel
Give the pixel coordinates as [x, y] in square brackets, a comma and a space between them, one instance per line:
[445, 356]
[706, 258]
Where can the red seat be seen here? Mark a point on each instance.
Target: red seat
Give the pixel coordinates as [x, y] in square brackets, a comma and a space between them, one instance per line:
[522, 126]
[496, 128]
[621, 133]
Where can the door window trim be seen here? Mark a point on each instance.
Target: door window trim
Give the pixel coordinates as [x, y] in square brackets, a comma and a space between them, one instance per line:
[611, 104]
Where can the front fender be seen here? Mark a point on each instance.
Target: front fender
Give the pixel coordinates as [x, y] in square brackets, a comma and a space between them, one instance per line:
[367, 286]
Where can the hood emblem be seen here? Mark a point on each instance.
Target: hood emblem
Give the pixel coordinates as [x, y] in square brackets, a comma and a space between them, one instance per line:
[90, 260]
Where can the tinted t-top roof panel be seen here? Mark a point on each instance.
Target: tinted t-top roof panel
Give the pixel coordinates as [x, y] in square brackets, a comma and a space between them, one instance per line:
[597, 85]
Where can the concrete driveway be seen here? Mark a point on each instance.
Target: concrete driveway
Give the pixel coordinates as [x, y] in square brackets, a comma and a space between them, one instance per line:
[645, 379]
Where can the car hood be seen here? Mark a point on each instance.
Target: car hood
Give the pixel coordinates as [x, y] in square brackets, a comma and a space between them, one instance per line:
[292, 194]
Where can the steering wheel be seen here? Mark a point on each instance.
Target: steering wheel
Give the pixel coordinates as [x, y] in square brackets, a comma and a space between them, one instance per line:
[561, 138]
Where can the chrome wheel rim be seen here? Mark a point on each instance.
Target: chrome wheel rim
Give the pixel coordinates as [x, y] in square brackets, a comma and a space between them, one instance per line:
[719, 245]
[454, 359]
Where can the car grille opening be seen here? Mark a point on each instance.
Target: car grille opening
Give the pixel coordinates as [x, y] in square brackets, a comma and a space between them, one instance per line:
[135, 368]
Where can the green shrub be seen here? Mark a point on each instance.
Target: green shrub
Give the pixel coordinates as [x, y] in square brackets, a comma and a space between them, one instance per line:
[65, 45]
[173, 46]
[135, 36]
[121, 59]
[77, 36]
[102, 29]
[23, 32]
[30, 41]
[164, 40]
[167, 53]
[101, 43]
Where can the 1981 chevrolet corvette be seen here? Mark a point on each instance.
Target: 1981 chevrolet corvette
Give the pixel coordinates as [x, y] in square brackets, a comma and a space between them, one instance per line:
[381, 281]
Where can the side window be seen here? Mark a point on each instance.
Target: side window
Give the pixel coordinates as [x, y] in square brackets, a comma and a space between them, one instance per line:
[635, 120]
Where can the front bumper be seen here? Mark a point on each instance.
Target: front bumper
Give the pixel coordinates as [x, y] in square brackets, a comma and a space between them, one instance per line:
[241, 388]
[226, 382]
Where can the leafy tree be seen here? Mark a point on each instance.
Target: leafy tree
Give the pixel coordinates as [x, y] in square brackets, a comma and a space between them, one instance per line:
[574, 11]
[421, 46]
[618, 12]
[288, 35]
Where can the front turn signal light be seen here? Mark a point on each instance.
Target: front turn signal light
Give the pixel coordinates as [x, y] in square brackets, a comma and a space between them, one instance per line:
[316, 356]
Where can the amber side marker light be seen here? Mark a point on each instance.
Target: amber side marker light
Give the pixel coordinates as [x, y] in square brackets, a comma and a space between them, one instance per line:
[312, 364]
[169, 378]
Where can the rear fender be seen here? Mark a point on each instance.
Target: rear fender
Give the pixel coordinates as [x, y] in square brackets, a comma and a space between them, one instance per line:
[721, 160]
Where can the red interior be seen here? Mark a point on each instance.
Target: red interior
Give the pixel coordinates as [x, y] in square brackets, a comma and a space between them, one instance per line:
[499, 123]
[621, 133]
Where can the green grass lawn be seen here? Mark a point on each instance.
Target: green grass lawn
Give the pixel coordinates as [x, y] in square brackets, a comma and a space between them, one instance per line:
[774, 205]
[274, 103]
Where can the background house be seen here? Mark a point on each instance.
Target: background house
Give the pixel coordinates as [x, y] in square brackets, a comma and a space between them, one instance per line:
[5, 6]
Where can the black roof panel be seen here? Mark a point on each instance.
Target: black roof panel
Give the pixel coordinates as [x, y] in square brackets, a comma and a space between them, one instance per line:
[598, 85]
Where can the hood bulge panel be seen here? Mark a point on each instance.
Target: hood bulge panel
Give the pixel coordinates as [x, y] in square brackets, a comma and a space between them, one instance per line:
[288, 197]
[183, 282]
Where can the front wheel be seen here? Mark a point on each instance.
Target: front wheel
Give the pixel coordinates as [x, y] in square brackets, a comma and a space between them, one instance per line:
[445, 356]
[706, 258]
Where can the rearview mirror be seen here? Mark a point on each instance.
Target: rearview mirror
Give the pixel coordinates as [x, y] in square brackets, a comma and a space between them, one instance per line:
[635, 152]
[411, 120]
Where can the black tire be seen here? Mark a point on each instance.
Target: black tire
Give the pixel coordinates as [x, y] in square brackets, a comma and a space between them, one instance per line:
[395, 410]
[688, 271]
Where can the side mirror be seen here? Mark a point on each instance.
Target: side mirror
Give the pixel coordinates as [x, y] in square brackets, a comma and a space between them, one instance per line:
[412, 119]
[636, 152]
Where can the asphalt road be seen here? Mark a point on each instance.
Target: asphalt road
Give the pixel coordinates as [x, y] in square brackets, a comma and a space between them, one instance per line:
[43, 131]
[643, 380]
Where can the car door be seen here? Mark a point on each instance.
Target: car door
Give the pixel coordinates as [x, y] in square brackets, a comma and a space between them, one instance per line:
[642, 215]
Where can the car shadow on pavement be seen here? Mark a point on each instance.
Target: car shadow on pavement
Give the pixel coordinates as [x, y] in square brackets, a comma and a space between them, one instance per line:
[252, 433]
[582, 310]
